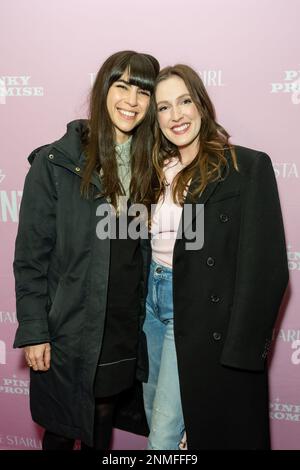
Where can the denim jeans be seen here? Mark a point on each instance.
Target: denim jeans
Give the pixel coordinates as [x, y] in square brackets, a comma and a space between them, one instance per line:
[161, 392]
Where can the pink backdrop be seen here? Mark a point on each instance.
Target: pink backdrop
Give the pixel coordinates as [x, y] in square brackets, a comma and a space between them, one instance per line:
[248, 54]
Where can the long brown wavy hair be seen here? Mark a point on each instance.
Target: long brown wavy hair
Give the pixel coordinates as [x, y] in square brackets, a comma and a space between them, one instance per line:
[99, 138]
[210, 162]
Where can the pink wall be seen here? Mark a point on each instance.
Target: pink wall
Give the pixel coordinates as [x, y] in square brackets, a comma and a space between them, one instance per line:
[248, 54]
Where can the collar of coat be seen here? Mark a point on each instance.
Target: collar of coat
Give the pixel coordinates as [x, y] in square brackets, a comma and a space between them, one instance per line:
[67, 152]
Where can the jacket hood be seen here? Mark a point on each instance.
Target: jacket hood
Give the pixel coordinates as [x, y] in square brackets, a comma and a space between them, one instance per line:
[70, 143]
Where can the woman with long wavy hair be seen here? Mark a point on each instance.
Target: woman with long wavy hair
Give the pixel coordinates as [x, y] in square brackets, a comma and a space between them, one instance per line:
[217, 276]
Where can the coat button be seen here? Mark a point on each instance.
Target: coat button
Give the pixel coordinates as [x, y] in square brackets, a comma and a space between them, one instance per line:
[210, 261]
[224, 218]
[216, 336]
[77, 169]
[51, 156]
[214, 298]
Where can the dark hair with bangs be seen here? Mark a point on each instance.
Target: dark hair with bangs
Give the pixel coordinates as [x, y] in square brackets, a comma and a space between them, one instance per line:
[100, 137]
[138, 68]
[211, 160]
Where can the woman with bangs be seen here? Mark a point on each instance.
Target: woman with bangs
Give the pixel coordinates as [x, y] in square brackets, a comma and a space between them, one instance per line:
[217, 276]
[79, 292]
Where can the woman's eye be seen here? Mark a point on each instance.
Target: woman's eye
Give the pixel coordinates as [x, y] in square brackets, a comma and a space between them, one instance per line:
[187, 100]
[122, 86]
[145, 92]
[162, 108]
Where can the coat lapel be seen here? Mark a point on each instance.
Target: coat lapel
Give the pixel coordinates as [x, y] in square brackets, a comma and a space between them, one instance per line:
[204, 196]
[188, 216]
[210, 188]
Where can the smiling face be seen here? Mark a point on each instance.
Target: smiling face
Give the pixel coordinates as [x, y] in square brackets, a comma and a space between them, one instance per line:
[178, 116]
[127, 106]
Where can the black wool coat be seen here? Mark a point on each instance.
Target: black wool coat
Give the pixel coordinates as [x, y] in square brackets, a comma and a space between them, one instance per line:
[226, 299]
[61, 271]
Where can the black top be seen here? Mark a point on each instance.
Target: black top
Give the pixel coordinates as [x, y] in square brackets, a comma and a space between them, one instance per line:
[117, 363]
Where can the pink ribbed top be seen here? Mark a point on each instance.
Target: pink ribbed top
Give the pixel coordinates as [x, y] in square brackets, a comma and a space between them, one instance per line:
[166, 218]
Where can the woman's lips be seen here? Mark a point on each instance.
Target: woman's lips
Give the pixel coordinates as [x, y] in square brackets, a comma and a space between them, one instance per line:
[182, 129]
[128, 115]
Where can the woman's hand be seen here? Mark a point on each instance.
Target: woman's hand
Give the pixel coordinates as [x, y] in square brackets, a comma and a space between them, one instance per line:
[183, 442]
[38, 356]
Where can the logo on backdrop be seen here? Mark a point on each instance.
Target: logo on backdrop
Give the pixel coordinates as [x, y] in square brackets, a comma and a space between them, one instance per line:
[2, 352]
[289, 85]
[8, 317]
[284, 411]
[14, 386]
[290, 336]
[286, 170]
[296, 354]
[293, 259]
[209, 77]
[20, 441]
[287, 336]
[18, 86]
[212, 77]
[9, 203]
[2, 176]
[92, 77]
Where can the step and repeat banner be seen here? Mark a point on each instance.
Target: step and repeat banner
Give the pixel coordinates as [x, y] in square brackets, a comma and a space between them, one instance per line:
[248, 55]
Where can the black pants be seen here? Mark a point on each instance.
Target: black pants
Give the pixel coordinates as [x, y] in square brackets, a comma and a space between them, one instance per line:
[104, 414]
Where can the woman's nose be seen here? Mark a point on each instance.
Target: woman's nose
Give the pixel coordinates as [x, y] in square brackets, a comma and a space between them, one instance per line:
[132, 97]
[176, 114]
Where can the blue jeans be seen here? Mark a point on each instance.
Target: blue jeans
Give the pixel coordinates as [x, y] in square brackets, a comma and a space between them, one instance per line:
[161, 392]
